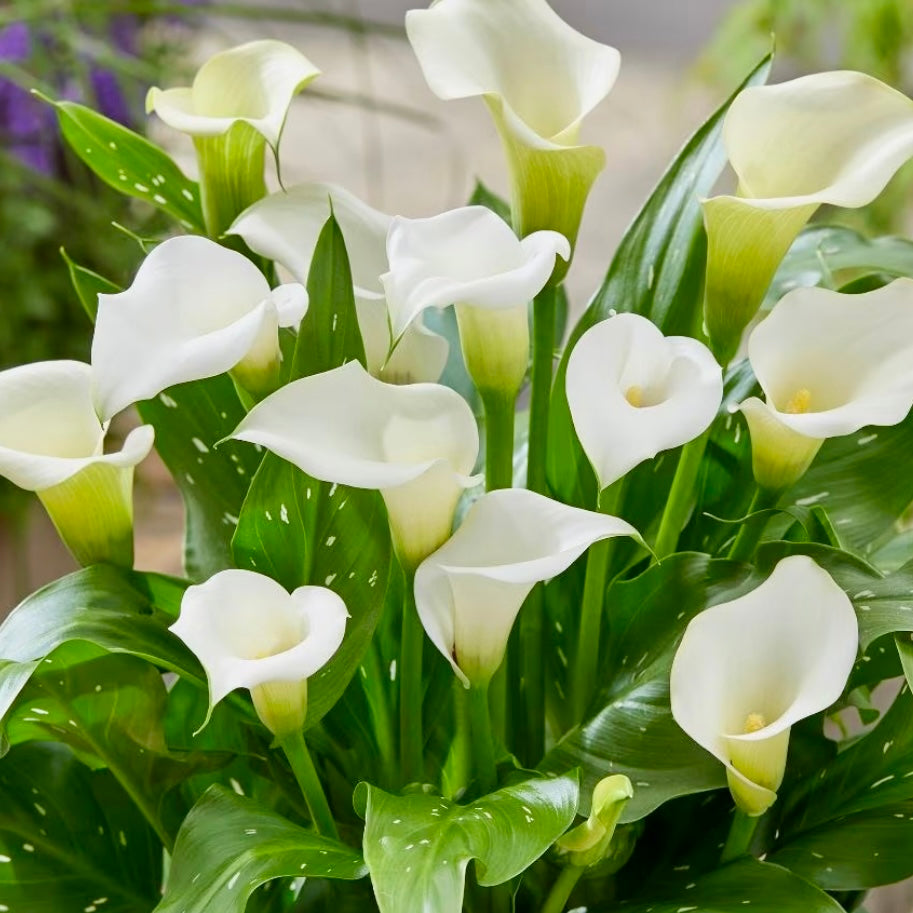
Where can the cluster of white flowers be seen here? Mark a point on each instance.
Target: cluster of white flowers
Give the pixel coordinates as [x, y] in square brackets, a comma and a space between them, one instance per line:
[828, 364]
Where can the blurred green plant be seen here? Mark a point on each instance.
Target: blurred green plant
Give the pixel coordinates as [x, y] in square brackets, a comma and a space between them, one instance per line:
[874, 36]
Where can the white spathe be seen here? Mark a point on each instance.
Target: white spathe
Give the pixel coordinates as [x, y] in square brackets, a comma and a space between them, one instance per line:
[253, 83]
[52, 443]
[416, 444]
[468, 593]
[830, 138]
[248, 632]
[748, 670]
[633, 393]
[470, 257]
[829, 364]
[285, 227]
[195, 310]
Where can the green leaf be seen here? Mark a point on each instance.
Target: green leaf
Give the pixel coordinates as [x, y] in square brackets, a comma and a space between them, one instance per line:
[300, 531]
[747, 884]
[70, 838]
[632, 731]
[657, 271]
[228, 846]
[88, 285]
[482, 195]
[129, 163]
[418, 846]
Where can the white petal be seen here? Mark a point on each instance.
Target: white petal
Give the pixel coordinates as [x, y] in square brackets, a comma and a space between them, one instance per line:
[247, 631]
[254, 83]
[830, 364]
[833, 138]
[633, 393]
[784, 651]
[195, 310]
[546, 75]
[469, 592]
[467, 256]
[420, 357]
[48, 427]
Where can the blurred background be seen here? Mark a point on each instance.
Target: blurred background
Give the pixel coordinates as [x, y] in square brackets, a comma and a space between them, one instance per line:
[369, 123]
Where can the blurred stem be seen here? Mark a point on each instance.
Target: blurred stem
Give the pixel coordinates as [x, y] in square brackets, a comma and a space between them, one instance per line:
[590, 630]
[751, 531]
[381, 716]
[741, 833]
[499, 439]
[544, 308]
[483, 744]
[411, 739]
[681, 496]
[531, 731]
[306, 774]
[562, 889]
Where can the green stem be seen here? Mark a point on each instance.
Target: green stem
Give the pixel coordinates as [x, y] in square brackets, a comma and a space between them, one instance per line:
[741, 833]
[544, 309]
[562, 889]
[751, 530]
[681, 496]
[306, 774]
[374, 686]
[483, 744]
[411, 739]
[590, 630]
[499, 440]
[531, 734]
[460, 759]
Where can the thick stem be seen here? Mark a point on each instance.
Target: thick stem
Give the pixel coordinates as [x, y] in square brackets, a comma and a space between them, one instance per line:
[681, 496]
[751, 530]
[499, 440]
[590, 630]
[411, 739]
[544, 309]
[306, 774]
[741, 833]
[562, 889]
[531, 734]
[483, 743]
[381, 716]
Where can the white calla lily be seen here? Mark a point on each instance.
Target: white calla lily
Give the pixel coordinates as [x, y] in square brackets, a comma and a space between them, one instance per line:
[194, 310]
[633, 393]
[748, 670]
[470, 258]
[416, 444]
[285, 227]
[829, 365]
[831, 138]
[238, 102]
[52, 443]
[469, 592]
[249, 632]
[540, 78]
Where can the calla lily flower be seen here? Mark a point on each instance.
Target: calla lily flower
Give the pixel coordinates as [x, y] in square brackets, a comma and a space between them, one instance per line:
[285, 227]
[470, 258]
[469, 592]
[633, 393]
[829, 364]
[834, 138]
[540, 78]
[237, 104]
[195, 310]
[749, 669]
[51, 442]
[248, 632]
[591, 842]
[416, 444]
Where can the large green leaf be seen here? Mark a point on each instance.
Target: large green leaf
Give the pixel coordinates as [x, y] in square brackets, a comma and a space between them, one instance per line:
[129, 163]
[302, 531]
[747, 884]
[657, 271]
[70, 838]
[418, 846]
[189, 420]
[228, 846]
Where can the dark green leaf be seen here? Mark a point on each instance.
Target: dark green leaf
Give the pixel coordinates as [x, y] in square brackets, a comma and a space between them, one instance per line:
[228, 846]
[657, 271]
[129, 163]
[484, 196]
[70, 838]
[418, 846]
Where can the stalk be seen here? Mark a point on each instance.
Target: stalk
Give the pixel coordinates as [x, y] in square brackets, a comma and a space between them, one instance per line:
[751, 531]
[306, 774]
[411, 739]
